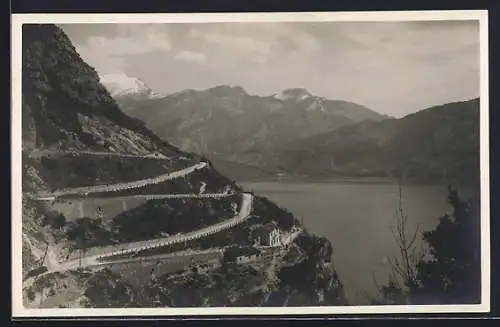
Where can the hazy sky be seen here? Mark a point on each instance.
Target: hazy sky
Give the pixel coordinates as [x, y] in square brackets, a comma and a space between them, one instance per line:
[394, 67]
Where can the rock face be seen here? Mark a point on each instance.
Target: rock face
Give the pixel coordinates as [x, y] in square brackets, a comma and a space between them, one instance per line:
[65, 108]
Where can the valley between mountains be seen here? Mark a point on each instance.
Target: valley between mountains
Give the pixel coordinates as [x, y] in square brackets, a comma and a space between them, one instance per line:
[296, 135]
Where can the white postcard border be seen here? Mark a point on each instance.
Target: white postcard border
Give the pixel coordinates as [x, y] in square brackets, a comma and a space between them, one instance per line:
[17, 20]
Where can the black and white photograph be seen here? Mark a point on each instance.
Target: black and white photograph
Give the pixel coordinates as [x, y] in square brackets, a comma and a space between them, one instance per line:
[245, 163]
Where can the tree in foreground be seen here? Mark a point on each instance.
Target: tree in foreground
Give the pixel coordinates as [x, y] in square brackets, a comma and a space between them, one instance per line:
[452, 274]
[449, 271]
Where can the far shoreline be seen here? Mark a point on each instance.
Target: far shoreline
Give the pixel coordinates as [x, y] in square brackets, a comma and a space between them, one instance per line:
[352, 181]
[327, 180]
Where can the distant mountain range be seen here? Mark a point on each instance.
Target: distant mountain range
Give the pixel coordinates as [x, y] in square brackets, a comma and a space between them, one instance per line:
[298, 134]
[437, 144]
[226, 121]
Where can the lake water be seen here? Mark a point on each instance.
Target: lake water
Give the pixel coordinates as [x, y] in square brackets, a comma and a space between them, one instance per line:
[357, 219]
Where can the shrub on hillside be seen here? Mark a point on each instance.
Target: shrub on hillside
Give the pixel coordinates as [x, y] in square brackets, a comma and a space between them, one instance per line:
[450, 272]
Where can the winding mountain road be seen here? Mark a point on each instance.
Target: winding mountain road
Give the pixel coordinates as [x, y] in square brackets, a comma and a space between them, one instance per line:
[127, 248]
[36, 154]
[160, 196]
[85, 190]
[135, 247]
[97, 260]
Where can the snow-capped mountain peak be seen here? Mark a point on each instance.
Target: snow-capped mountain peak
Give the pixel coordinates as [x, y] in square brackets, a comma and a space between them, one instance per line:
[296, 94]
[121, 84]
[317, 104]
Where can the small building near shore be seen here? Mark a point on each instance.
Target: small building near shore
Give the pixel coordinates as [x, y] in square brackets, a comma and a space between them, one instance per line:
[241, 254]
[268, 235]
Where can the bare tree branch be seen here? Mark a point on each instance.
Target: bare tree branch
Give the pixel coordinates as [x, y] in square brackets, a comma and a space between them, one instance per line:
[404, 266]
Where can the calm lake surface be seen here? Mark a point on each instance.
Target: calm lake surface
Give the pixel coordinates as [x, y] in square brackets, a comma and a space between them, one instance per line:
[356, 218]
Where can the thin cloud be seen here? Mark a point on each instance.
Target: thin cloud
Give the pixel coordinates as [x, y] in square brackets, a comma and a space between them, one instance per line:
[254, 42]
[132, 45]
[109, 54]
[391, 67]
[229, 45]
[190, 56]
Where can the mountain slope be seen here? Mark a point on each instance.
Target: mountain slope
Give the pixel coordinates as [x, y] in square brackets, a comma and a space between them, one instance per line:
[75, 135]
[63, 109]
[436, 144]
[228, 122]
